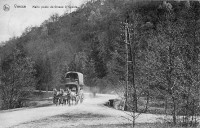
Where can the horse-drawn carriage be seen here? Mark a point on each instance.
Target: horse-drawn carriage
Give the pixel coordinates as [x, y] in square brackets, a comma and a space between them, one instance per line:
[74, 89]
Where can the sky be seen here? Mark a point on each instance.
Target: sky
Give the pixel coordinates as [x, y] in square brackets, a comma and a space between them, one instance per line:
[14, 21]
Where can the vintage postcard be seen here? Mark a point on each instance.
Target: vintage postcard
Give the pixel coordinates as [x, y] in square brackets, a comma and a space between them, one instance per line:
[99, 63]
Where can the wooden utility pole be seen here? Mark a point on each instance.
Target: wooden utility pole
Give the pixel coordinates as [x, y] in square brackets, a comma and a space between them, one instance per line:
[126, 43]
[133, 64]
[133, 87]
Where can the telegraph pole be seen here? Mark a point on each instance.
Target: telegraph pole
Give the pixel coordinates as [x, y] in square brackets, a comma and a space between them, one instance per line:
[133, 94]
[126, 45]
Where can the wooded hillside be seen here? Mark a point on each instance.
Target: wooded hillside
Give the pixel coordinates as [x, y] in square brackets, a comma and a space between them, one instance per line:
[163, 49]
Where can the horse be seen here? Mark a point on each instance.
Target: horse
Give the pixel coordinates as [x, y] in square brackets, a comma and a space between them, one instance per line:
[56, 98]
[68, 98]
[74, 97]
[59, 98]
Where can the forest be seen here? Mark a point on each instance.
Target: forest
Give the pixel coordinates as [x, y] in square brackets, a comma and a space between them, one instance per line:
[163, 48]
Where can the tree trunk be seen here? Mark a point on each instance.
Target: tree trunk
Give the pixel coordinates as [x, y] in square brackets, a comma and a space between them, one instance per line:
[166, 105]
[47, 88]
[147, 101]
[133, 122]
[174, 111]
[133, 109]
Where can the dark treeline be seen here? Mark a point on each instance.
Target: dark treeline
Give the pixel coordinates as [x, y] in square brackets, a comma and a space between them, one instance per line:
[164, 46]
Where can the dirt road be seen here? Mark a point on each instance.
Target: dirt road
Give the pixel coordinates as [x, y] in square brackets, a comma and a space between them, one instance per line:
[90, 112]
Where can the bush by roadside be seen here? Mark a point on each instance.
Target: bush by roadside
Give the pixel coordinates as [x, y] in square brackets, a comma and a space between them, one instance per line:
[37, 99]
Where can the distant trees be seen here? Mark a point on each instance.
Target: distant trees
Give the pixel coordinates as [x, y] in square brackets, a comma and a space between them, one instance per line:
[163, 51]
[166, 55]
[17, 79]
[178, 57]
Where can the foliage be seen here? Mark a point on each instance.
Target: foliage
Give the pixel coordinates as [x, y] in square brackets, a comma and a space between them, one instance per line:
[17, 79]
[164, 49]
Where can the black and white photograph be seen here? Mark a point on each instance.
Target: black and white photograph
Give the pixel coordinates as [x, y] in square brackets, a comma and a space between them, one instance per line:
[99, 64]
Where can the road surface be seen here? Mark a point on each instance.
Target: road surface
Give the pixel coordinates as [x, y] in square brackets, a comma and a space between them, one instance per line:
[90, 112]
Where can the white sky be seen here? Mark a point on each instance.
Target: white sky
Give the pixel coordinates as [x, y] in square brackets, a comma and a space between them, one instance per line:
[14, 21]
